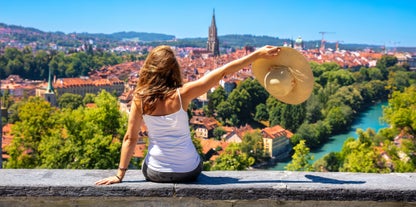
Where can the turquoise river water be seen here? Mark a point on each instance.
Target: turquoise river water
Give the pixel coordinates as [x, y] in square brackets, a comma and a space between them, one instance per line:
[367, 119]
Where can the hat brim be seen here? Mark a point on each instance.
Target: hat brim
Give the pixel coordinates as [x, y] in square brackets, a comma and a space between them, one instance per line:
[291, 58]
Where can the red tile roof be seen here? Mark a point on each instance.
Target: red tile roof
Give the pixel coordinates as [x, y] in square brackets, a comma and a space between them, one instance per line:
[276, 131]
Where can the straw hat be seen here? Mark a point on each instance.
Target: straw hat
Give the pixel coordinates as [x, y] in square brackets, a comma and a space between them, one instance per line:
[288, 77]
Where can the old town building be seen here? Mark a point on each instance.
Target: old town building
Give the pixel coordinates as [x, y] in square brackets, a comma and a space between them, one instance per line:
[276, 141]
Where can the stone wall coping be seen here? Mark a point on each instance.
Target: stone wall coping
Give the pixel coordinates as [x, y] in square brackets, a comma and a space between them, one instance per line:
[215, 185]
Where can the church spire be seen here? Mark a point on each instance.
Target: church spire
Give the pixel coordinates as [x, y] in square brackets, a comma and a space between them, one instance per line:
[213, 42]
[49, 94]
[50, 88]
[213, 20]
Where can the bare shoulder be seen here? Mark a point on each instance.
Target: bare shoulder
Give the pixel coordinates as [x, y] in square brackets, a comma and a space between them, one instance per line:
[186, 92]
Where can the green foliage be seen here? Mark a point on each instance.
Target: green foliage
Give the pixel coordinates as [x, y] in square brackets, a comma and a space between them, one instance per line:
[196, 143]
[239, 108]
[225, 111]
[314, 109]
[258, 95]
[70, 100]
[386, 61]
[349, 96]
[233, 159]
[373, 90]
[36, 118]
[341, 77]
[330, 162]
[401, 111]
[252, 145]
[218, 132]
[358, 157]
[288, 116]
[301, 158]
[215, 98]
[261, 112]
[398, 81]
[36, 66]
[88, 98]
[314, 134]
[83, 138]
[339, 117]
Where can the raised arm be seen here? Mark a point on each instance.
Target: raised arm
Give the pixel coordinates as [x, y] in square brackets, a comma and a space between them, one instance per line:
[196, 88]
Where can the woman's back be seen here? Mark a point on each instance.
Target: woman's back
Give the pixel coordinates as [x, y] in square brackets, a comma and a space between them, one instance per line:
[170, 145]
[171, 105]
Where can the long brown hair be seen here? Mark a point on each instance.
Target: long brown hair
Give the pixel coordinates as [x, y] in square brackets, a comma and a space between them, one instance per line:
[159, 77]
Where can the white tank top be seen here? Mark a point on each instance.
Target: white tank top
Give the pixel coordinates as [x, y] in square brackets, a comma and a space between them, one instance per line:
[170, 145]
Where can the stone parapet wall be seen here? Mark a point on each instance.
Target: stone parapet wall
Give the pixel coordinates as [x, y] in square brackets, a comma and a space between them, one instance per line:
[226, 186]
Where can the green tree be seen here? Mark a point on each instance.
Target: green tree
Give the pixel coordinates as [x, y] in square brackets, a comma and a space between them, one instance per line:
[398, 81]
[252, 145]
[215, 98]
[233, 159]
[314, 134]
[36, 121]
[402, 159]
[261, 112]
[341, 77]
[339, 117]
[288, 116]
[41, 70]
[313, 109]
[258, 95]
[401, 110]
[240, 100]
[88, 98]
[386, 61]
[70, 100]
[330, 162]
[358, 157]
[225, 111]
[107, 114]
[13, 112]
[293, 116]
[301, 158]
[84, 138]
[374, 74]
[218, 132]
[348, 95]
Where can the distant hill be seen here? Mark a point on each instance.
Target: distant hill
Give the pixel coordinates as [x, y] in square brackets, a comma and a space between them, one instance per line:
[131, 36]
[27, 35]
[239, 41]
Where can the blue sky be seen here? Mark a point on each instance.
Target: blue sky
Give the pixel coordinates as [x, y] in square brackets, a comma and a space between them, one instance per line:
[380, 22]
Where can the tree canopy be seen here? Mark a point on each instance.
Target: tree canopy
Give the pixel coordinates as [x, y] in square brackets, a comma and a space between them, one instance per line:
[82, 138]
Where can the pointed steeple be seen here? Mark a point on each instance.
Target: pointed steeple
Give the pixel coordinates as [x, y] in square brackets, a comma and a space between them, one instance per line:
[213, 24]
[50, 88]
[50, 95]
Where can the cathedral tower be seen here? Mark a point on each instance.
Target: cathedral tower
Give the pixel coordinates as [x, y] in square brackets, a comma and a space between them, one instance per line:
[213, 45]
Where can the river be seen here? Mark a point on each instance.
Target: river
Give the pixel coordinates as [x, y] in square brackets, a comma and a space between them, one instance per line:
[367, 119]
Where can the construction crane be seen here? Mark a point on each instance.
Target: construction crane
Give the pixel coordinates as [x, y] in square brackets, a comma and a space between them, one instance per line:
[337, 45]
[323, 39]
[337, 42]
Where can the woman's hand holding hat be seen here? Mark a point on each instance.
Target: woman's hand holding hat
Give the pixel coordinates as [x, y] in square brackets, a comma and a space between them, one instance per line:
[267, 52]
[284, 73]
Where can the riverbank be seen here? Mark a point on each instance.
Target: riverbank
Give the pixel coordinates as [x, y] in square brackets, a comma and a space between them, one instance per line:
[369, 118]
